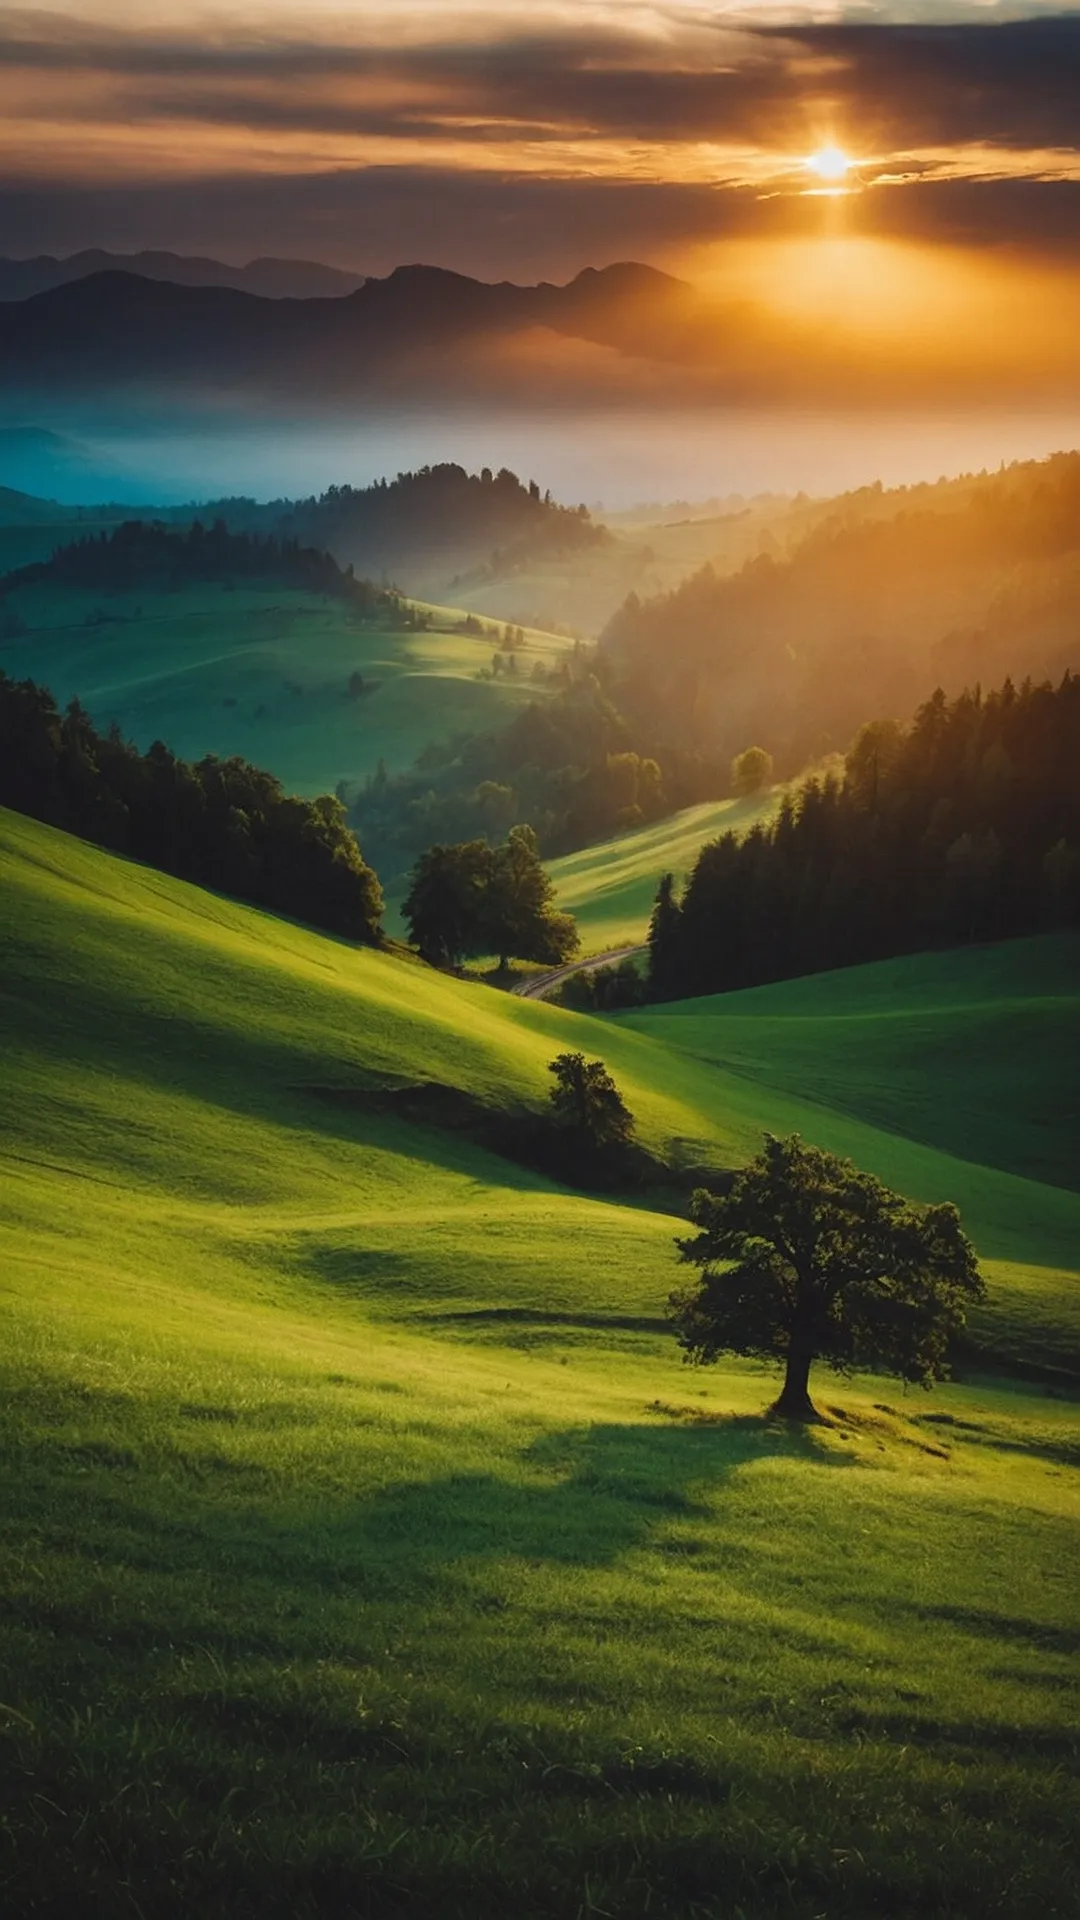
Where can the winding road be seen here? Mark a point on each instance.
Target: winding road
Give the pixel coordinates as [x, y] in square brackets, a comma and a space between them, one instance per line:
[541, 983]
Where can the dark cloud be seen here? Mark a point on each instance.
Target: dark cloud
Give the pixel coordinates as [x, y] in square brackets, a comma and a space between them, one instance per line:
[1013, 84]
[1009, 83]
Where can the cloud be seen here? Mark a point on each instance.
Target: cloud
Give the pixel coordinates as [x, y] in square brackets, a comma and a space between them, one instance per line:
[553, 137]
[1013, 84]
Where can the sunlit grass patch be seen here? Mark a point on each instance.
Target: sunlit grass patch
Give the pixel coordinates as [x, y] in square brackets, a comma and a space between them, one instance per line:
[365, 1547]
[610, 888]
[264, 671]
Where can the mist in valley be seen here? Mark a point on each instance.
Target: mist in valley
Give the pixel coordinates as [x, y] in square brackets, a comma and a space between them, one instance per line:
[612, 460]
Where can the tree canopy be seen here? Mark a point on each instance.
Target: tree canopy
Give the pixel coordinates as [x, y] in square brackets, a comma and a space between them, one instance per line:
[588, 1103]
[150, 554]
[221, 823]
[751, 771]
[887, 594]
[473, 898]
[806, 1258]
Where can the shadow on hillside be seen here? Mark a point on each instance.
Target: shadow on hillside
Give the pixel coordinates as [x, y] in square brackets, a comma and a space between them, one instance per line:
[580, 1497]
[540, 1322]
[586, 1496]
[249, 1073]
[1042, 1635]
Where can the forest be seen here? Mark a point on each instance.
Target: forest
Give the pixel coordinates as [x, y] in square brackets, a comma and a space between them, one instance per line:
[956, 585]
[489, 518]
[222, 823]
[151, 555]
[570, 766]
[963, 826]
[957, 588]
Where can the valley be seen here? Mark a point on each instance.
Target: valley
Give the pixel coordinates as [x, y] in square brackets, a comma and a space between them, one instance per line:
[540, 961]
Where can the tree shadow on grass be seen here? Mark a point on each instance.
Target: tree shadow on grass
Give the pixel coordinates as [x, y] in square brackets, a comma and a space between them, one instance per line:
[586, 1495]
[581, 1497]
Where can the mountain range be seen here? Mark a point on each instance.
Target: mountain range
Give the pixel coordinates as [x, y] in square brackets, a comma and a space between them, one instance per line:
[625, 336]
[400, 335]
[271, 279]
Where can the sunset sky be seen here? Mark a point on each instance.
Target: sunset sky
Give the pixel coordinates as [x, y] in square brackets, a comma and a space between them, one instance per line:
[531, 139]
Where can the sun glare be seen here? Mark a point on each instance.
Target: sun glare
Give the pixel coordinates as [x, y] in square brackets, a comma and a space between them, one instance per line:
[829, 163]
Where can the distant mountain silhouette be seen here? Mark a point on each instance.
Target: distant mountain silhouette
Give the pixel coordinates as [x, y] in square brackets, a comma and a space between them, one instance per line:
[271, 279]
[403, 335]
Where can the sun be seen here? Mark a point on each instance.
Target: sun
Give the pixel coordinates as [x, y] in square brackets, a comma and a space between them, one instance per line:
[829, 163]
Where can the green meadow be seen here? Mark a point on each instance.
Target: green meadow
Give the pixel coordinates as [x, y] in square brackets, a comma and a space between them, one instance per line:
[367, 1551]
[610, 888]
[264, 672]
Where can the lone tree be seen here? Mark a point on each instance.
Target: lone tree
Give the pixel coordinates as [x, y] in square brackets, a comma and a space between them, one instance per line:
[751, 771]
[806, 1258]
[588, 1103]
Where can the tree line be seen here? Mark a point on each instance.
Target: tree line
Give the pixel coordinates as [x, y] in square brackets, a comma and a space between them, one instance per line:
[151, 555]
[963, 826]
[231, 826]
[220, 823]
[488, 516]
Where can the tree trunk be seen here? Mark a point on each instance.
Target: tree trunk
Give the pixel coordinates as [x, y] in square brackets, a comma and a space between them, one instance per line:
[795, 1402]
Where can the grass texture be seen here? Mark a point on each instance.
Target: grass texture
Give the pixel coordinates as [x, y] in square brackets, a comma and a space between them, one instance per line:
[264, 672]
[365, 1549]
[610, 888]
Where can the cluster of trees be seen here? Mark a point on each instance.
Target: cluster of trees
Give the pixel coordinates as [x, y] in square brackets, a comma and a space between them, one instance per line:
[473, 898]
[148, 554]
[395, 524]
[221, 823]
[568, 766]
[952, 586]
[963, 826]
[893, 593]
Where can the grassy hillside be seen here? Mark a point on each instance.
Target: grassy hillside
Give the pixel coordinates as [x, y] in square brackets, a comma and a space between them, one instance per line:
[610, 888]
[263, 672]
[973, 1051]
[365, 1550]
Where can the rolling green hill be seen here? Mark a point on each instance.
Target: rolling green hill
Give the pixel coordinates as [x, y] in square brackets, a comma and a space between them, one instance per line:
[263, 671]
[610, 888]
[366, 1549]
[973, 1051]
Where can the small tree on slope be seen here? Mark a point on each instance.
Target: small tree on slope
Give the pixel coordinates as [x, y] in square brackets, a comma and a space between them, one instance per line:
[806, 1258]
[588, 1104]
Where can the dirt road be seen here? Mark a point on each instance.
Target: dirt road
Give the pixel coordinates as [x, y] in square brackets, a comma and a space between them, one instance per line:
[542, 983]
